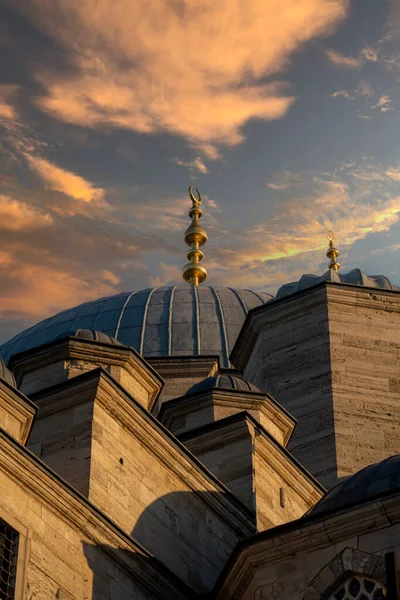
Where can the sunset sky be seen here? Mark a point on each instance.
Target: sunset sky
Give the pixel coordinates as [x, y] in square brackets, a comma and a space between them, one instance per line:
[284, 113]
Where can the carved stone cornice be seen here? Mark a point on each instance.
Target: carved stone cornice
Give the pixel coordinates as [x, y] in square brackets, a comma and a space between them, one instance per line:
[73, 350]
[17, 412]
[272, 312]
[326, 291]
[362, 297]
[306, 535]
[185, 366]
[236, 400]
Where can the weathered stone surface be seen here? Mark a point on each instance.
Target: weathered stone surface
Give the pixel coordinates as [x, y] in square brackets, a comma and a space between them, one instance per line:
[330, 355]
[308, 558]
[241, 453]
[284, 350]
[112, 450]
[67, 549]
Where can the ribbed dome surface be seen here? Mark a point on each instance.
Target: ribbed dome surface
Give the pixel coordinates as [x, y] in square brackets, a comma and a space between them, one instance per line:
[367, 484]
[162, 321]
[354, 277]
[231, 382]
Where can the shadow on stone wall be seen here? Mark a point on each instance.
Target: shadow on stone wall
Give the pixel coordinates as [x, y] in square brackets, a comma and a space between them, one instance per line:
[186, 540]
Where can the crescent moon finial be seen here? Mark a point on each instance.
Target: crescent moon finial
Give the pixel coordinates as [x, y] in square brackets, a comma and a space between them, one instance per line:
[195, 200]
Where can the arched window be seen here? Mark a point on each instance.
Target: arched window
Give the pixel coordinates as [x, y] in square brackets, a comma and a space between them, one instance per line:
[357, 587]
[350, 575]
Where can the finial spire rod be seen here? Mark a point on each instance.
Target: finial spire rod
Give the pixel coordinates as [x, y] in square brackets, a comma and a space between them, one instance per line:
[195, 236]
[332, 252]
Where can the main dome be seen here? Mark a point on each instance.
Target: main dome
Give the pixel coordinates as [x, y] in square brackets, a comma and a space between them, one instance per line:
[162, 321]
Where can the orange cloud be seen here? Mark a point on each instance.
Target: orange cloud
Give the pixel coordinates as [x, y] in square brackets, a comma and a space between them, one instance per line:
[341, 60]
[46, 290]
[60, 180]
[383, 104]
[194, 68]
[196, 164]
[7, 111]
[16, 215]
[293, 239]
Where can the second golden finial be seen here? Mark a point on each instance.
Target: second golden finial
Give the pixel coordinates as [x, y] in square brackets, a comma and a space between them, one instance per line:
[332, 252]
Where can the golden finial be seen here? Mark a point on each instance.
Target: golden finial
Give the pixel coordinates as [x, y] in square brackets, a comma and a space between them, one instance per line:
[332, 252]
[195, 236]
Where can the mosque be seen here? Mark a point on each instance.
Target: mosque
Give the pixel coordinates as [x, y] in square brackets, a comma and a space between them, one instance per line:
[188, 442]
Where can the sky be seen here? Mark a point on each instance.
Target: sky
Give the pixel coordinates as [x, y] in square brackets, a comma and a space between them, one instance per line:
[284, 114]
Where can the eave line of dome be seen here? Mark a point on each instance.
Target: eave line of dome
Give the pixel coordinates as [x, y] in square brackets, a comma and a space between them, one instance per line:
[146, 310]
[170, 320]
[224, 337]
[122, 313]
[241, 301]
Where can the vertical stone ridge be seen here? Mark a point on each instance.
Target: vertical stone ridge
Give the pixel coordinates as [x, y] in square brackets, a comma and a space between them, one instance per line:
[122, 313]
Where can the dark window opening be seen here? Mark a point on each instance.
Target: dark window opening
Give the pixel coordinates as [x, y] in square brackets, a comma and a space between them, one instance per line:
[8, 560]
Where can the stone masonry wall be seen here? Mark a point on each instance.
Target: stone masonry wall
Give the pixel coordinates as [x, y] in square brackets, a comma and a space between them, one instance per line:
[290, 579]
[364, 328]
[149, 499]
[290, 359]
[60, 562]
[110, 449]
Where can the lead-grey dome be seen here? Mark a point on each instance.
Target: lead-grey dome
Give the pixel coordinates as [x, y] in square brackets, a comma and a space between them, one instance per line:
[354, 277]
[225, 381]
[375, 480]
[163, 321]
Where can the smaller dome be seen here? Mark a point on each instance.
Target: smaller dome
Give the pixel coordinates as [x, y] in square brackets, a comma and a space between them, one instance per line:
[367, 484]
[354, 277]
[91, 334]
[227, 382]
[6, 374]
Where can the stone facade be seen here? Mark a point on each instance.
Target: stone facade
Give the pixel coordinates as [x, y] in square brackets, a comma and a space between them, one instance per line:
[330, 356]
[307, 559]
[116, 454]
[256, 468]
[120, 485]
